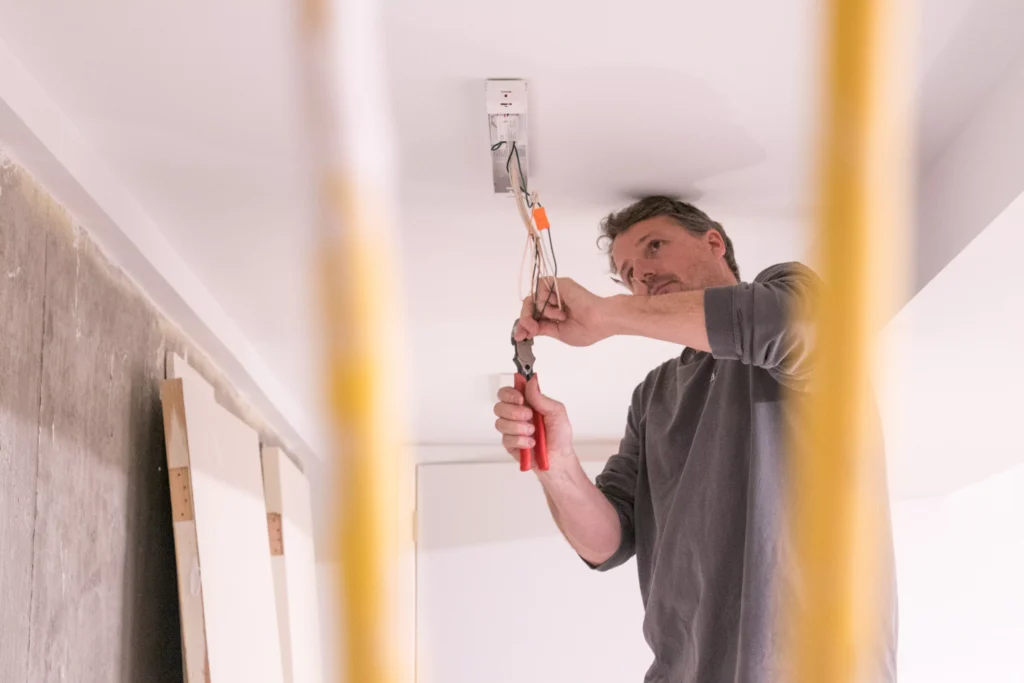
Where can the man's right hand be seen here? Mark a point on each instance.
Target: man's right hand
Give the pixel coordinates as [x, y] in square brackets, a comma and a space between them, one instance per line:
[584, 515]
[515, 425]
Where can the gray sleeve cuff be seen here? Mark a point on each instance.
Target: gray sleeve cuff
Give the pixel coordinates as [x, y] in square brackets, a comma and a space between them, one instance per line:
[720, 320]
[626, 544]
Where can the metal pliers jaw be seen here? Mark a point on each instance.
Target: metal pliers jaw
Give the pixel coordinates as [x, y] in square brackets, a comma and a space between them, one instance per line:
[524, 360]
[523, 357]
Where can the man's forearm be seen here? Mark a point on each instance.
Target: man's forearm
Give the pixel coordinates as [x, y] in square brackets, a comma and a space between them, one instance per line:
[676, 318]
[585, 517]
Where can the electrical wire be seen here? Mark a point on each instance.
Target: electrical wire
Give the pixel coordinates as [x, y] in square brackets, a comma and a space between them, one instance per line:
[544, 263]
[514, 153]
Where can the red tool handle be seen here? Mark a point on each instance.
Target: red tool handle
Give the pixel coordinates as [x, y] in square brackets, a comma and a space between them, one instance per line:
[539, 436]
[542, 441]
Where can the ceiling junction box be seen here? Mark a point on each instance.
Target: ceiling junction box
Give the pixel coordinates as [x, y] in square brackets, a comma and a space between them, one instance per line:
[507, 123]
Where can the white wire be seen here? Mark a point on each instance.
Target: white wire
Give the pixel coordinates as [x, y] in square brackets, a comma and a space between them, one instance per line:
[545, 266]
[517, 192]
[521, 204]
[522, 267]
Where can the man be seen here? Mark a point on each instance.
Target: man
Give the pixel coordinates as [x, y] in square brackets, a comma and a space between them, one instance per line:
[696, 490]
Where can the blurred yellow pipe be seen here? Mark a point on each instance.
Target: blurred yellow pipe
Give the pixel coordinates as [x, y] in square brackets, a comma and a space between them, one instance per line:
[359, 319]
[365, 419]
[838, 512]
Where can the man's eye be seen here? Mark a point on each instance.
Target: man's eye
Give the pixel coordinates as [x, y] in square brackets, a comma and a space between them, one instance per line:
[629, 276]
[655, 245]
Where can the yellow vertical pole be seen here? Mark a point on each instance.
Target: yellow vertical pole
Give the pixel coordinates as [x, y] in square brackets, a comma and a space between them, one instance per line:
[838, 514]
[357, 282]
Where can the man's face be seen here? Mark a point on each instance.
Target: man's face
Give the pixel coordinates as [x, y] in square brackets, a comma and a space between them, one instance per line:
[658, 256]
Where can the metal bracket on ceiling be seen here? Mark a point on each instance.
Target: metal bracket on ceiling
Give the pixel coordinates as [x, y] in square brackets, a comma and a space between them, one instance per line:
[507, 123]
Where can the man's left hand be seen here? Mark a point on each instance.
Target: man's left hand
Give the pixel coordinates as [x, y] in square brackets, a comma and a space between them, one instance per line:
[582, 320]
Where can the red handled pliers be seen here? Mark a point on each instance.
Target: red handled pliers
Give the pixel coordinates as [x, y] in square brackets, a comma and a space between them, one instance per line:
[524, 361]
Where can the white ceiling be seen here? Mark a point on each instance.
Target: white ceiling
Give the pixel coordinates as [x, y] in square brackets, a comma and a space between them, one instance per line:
[618, 102]
[193, 105]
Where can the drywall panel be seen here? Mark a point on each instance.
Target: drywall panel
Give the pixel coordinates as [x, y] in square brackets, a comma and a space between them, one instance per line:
[290, 527]
[226, 575]
[501, 597]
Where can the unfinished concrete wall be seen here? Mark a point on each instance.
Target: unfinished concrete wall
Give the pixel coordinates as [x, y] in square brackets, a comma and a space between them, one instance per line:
[87, 573]
[87, 578]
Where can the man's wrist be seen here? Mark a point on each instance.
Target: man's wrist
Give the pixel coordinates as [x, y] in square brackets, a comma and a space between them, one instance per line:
[616, 315]
[563, 472]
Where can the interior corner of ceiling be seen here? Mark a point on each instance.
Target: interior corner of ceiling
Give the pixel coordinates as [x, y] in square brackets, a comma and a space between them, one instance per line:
[38, 137]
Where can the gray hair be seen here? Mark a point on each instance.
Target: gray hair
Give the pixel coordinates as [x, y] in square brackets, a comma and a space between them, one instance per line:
[686, 215]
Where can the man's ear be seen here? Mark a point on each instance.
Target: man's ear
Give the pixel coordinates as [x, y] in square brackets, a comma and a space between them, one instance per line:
[716, 242]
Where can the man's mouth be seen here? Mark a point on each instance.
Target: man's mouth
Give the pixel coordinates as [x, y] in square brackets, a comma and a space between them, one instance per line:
[660, 287]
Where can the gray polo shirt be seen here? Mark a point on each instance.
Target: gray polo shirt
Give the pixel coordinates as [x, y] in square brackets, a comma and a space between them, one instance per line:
[698, 486]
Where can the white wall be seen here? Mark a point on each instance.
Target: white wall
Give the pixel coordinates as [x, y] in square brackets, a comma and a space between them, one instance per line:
[503, 598]
[960, 564]
[951, 368]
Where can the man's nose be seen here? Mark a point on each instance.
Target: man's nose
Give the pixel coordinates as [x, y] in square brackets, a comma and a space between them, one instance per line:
[643, 270]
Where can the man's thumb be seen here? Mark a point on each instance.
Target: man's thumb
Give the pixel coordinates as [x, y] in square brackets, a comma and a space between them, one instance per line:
[538, 401]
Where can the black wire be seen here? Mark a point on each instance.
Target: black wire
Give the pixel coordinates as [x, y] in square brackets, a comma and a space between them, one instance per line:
[547, 302]
[551, 243]
[514, 152]
[522, 176]
[554, 263]
[539, 311]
